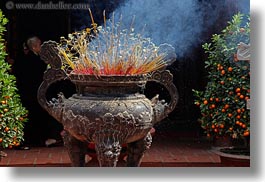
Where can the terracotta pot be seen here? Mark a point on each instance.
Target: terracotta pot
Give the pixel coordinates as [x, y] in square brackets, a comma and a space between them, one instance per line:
[106, 110]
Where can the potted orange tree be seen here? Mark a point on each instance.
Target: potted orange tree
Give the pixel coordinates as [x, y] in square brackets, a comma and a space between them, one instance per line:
[12, 113]
[223, 103]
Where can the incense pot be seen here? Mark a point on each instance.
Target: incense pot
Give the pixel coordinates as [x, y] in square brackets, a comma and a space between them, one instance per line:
[107, 110]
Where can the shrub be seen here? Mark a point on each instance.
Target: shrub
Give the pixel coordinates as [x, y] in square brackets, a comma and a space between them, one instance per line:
[12, 113]
[223, 102]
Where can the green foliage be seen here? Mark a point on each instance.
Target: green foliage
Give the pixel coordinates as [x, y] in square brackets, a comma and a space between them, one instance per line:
[223, 102]
[12, 113]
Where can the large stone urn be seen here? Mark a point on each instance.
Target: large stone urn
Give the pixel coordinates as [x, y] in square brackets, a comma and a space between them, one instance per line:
[107, 110]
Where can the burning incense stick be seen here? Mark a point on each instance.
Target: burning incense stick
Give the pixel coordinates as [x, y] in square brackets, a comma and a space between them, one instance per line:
[110, 50]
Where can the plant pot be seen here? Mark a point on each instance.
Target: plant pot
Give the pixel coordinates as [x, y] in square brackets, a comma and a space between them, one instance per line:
[232, 157]
[224, 141]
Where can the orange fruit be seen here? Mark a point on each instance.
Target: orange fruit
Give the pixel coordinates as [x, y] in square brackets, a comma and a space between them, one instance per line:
[244, 126]
[3, 102]
[230, 115]
[237, 122]
[6, 129]
[241, 96]
[231, 129]
[238, 117]
[222, 82]
[5, 110]
[238, 111]
[246, 133]
[238, 94]
[230, 69]
[226, 106]
[246, 98]
[223, 110]
[213, 126]
[211, 99]
[205, 102]
[1, 140]
[222, 72]
[213, 106]
[238, 90]
[222, 125]
[217, 99]
[215, 130]
[7, 97]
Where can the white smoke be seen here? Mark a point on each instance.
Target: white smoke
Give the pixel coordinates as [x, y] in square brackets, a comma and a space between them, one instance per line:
[180, 23]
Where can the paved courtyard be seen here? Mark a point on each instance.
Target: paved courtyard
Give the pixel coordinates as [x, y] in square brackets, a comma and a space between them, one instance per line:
[166, 151]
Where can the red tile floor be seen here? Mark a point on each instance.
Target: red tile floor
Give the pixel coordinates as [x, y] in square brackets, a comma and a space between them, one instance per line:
[166, 151]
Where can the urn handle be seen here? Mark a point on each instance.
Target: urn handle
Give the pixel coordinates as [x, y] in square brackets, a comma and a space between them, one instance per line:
[49, 54]
[160, 108]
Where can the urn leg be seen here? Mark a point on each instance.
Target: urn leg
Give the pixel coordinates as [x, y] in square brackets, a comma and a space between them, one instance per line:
[76, 150]
[108, 151]
[137, 149]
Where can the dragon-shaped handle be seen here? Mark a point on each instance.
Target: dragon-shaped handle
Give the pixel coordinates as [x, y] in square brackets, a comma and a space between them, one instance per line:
[49, 54]
[161, 108]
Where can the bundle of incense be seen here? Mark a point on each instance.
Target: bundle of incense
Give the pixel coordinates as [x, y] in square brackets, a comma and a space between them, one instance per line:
[111, 50]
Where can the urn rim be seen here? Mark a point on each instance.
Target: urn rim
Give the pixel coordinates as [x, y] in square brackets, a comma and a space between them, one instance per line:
[108, 79]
